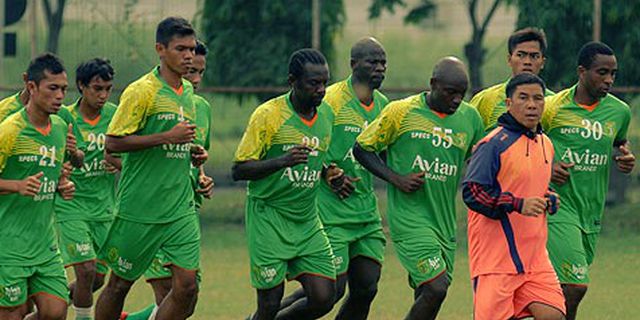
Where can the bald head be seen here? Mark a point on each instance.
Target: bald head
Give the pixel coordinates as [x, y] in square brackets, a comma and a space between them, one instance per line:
[450, 70]
[449, 83]
[365, 46]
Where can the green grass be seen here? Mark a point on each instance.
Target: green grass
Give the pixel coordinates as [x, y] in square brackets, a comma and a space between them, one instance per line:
[227, 294]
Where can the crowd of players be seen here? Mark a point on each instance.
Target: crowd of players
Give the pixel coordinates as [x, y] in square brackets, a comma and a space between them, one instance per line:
[311, 211]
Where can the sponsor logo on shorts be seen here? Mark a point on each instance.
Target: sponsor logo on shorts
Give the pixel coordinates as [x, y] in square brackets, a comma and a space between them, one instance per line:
[576, 271]
[12, 293]
[337, 262]
[429, 264]
[268, 273]
[124, 265]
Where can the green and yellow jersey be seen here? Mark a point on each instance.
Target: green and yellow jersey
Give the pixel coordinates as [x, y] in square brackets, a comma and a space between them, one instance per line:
[155, 184]
[584, 136]
[94, 197]
[417, 139]
[27, 234]
[491, 104]
[203, 137]
[351, 117]
[274, 128]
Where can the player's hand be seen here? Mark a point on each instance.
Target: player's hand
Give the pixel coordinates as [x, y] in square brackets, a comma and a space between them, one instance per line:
[66, 188]
[31, 185]
[553, 202]
[183, 132]
[560, 172]
[71, 140]
[199, 155]
[67, 168]
[341, 184]
[534, 206]
[409, 183]
[108, 167]
[206, 186]
[626, 161]
[296, 155]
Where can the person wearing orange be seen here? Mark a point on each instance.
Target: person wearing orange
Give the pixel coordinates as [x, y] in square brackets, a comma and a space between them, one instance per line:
[506, 190]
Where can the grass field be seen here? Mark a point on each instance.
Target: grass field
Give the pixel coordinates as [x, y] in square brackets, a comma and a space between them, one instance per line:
[226, 293]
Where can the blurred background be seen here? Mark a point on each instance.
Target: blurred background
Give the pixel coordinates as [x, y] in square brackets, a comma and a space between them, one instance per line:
[250, 42]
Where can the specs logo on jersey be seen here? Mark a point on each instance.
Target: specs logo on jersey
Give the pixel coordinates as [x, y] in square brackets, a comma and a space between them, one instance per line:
[586, 160]
[166, 116]
[440, 137]
[435, 170]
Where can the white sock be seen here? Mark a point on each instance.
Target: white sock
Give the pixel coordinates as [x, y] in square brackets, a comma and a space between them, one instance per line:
[83, 313]
[154, 313]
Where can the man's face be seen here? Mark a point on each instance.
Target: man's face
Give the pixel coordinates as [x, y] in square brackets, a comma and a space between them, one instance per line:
[49, 93]
[310, 88]
[599, 79]
[447, 96]
[371, 68]
[526, 57]
[97, 92]
[527, 104]
[194, 75]
[178, 54]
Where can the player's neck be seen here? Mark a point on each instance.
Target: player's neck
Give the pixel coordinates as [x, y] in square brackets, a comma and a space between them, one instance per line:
[306, 112]
[583, 97]
[172, 78]
[87, 111]
[24, 96]
[37, 117]
[363, 91]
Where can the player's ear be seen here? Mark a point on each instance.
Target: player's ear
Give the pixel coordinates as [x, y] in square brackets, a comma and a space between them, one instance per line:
[291, 80]
[508, 102]
[160, 48]
[31, 86]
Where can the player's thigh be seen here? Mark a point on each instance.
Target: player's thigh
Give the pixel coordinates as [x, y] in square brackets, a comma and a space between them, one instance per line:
[131, 246]
[339, 238]
[493, 296]
[49, 284]
[13, 313]
[181, 246]
[158, 269]
[542, 311]
[567, 253]
[422, 257]
[590, 241]
[99, 233]
[50, 306]
[541, 288]
[315, 256]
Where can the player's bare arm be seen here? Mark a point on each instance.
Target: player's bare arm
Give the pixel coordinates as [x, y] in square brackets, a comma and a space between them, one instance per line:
[112, 164]
[183, 132]
[372, 161]
[258, 169]
[27, 187]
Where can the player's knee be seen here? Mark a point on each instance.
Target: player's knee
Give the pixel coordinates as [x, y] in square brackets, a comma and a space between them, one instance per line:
[269, 306]
[186, 288]
[53, 312]
[435, 290]
[98, 282]
[366, 293]
[119, 286]
[86, 271]
[322, 302]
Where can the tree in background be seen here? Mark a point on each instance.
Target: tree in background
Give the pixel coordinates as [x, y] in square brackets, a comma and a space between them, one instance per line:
[473, 50]
[568, 26]
[251, 41]
[54, 22]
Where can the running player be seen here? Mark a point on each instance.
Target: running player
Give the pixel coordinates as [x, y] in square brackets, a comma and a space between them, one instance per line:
[152, 128]
[82, 223]
[427, 138]
[75, 144]
[350, 216]
[281, 154]
[526, 54]
[159, 276]
[32, 149]
[584, 122]
[505, 188]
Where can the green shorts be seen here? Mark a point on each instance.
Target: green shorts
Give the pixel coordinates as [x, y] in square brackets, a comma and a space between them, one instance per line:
[425, 258]
[81, 240]
[17, 283]
[571, 252]
[352, 240]
[131, 246]
[280, 247]
[159, 269]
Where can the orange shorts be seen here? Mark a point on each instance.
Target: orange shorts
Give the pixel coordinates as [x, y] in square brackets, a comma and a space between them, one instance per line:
[504, 296]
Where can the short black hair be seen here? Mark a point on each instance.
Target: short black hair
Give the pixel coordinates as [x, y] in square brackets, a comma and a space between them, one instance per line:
[524, 78]
[528, 34]
[303, 56]
[588, 53]
[173, 26]
[95, 67]
[46, 61]
[201, 48]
